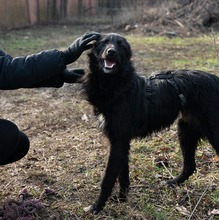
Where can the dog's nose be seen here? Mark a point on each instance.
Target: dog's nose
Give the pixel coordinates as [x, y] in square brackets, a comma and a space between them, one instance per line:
[111, 51]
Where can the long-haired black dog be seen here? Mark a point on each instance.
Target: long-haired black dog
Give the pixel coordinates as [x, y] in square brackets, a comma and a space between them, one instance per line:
[135, 106]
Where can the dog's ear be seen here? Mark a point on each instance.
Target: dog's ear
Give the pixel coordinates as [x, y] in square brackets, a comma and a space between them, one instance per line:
[100, 37]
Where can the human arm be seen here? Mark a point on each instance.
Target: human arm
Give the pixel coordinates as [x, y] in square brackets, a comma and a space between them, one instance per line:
[28, 71]
[47, 68]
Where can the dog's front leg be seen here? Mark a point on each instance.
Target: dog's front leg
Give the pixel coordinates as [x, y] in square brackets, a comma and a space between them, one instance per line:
[124, 181]
[117, 159]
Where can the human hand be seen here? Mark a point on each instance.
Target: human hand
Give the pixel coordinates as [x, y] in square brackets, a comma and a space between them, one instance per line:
[81, 44]
[72, 75]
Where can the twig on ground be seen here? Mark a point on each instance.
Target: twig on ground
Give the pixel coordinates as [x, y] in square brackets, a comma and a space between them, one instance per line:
[167, 169]
[198, 202]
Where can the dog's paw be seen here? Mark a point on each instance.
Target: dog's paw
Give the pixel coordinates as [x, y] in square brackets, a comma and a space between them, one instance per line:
[92, 209]
[178, 181]
[174, 182]
[171, 183]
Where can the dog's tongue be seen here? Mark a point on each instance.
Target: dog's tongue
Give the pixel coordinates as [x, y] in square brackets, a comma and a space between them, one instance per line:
[109, 63]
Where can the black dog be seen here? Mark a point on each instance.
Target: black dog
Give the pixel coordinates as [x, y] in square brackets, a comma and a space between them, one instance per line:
[135, 106]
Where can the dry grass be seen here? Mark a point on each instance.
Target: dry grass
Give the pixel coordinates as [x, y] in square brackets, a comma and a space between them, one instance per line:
[68, 150]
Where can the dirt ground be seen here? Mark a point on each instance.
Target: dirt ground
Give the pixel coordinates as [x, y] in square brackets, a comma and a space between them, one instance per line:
[62, 172]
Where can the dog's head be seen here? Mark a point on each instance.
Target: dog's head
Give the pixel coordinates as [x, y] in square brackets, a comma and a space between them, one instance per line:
[112, 52]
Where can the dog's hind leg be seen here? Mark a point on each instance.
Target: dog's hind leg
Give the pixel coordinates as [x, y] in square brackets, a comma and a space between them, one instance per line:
[213, 139]
[117, 160]
[188, 138]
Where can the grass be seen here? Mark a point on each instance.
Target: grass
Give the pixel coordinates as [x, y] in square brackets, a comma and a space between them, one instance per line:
[68, 153]
[175, 53]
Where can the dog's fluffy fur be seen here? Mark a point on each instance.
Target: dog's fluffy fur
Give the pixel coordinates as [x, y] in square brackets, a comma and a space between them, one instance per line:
[135, 106]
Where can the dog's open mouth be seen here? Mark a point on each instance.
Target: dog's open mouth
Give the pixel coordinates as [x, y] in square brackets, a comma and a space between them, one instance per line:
[109, 65]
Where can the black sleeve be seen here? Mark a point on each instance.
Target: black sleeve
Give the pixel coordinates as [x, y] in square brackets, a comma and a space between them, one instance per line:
[3, 54]
[36, 70]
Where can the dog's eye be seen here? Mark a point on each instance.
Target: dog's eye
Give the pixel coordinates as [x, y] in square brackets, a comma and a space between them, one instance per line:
[104, 41]
[119, 42]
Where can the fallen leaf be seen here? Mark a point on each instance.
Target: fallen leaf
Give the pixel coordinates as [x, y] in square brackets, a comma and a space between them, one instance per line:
[216, 158]
[84, 118]
[215, 212]
[183, 210]
[87, 209]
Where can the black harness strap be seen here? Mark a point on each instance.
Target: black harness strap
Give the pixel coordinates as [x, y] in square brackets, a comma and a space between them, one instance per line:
[169, 76]
[181, 96]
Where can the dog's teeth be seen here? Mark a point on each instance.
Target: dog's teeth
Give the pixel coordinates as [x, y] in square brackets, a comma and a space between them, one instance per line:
[109, 64]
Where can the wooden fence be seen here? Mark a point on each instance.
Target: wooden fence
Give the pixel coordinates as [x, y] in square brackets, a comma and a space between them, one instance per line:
[19, 13]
